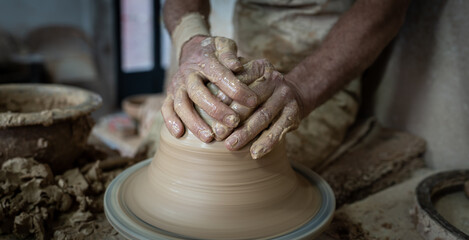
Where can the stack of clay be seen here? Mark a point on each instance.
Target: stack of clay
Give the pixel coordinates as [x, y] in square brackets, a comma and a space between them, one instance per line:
[204, 191]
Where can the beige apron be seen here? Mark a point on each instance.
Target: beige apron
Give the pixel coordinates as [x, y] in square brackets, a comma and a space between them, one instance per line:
[285, 32]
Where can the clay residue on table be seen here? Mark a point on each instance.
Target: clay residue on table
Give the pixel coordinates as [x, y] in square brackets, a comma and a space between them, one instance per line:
[342, 227]
[35, 204]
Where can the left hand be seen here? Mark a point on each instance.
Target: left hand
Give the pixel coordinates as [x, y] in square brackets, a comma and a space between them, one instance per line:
[279, 114]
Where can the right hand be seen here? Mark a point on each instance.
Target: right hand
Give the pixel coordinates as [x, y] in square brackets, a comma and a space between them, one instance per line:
[279, 112]
[205, 59]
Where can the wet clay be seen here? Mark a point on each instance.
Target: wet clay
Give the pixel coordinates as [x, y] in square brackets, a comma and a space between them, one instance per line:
[204, 191]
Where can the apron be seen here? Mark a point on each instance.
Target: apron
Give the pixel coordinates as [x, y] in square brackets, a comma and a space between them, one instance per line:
[285, 32]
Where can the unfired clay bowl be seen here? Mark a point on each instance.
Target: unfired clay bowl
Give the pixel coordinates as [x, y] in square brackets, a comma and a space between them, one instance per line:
[48, 122]
[194, 190]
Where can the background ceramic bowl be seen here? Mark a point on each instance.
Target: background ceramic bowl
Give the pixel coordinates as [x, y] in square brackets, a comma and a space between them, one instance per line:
[48, 122]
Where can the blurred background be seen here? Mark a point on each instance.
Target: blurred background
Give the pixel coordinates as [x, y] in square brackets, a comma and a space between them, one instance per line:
[116, 48]
[110, 47]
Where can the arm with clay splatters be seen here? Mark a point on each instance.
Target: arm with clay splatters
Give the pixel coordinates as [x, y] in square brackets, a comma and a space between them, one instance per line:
[351, 46]
[175, 10]
[353, 43]
[202, 58]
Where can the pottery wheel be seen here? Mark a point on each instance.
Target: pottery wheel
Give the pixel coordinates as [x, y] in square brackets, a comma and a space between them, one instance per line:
[186, 193]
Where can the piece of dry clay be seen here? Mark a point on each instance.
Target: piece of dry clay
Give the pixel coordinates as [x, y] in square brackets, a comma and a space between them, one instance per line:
[31, 198]
[204, 191]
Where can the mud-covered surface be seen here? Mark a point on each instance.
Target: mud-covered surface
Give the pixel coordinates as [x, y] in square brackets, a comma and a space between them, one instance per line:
[342, 227]
[35, 204]
[381, 159]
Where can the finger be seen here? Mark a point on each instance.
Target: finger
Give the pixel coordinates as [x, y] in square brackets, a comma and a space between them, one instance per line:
[188, 115]
[288, 121]
[243, 60]
[255, 74]
[257, 122]
[202, 97]
[226, 52]
[254, 70]
[221, 131]
[224, 79]
[209, 120]
[171, 120]
[263, 87]
[219, 94]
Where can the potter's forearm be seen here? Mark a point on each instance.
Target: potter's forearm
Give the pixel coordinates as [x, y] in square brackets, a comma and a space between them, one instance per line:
[351, 46]
[174, 10]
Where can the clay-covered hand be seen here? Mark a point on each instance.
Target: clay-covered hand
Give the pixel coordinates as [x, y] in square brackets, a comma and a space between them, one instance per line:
[203, 59]
[254, 74]
[279, 113]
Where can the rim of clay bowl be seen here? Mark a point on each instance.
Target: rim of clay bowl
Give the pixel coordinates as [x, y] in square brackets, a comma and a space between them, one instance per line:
[88, 102]
[132, 227]
[435, 185]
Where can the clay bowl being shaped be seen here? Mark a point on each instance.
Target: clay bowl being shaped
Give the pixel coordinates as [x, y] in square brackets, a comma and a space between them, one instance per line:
[442, 209]
[194, 190]
[48, 122]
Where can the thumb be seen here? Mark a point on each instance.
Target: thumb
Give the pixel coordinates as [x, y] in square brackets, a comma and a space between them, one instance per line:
[226, 52]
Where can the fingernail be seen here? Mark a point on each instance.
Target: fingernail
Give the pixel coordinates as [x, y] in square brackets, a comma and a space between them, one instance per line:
[252, 101]
[257, 151]
[220, 130]
[232, 141]
[231, 120]
[174, 130]
[206, 135]
[236, 65]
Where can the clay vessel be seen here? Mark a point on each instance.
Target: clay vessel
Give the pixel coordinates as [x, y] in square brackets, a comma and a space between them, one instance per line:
[441, 207]
[203, 191]
[48, 122]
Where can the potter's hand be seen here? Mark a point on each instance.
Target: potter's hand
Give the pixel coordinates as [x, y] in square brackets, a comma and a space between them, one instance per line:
[254, 74]
[279, 114]
[205, 59]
